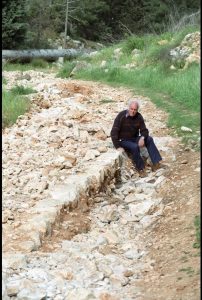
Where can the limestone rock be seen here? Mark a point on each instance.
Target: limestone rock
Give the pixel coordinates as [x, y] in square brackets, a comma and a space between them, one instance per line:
[91, 154]
[186, 129]
[14, 261]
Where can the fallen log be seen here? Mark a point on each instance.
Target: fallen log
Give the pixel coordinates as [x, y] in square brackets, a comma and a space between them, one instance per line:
[42, 53]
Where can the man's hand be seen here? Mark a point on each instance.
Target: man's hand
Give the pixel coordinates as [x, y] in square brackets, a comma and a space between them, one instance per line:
[141, 142]
[121, 150]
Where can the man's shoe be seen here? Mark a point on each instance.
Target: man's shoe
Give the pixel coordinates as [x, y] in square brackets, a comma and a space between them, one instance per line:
[155, 166]
[142, 173]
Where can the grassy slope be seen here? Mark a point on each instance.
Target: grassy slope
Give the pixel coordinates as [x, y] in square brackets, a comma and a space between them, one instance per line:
[176, 91]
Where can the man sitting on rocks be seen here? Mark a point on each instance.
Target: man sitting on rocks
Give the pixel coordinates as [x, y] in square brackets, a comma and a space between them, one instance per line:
[129, 133]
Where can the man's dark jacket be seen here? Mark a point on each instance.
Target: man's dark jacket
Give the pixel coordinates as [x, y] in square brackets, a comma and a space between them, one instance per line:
[126, 127]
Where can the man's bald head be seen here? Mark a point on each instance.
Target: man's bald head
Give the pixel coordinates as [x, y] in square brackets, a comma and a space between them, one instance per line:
[133, 106]
[133, 101]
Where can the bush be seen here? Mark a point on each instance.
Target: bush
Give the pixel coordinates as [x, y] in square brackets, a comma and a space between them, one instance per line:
[21, 90]
[133, 42]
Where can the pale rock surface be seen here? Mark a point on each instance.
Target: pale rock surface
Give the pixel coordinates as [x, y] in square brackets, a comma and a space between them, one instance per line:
[60, 154]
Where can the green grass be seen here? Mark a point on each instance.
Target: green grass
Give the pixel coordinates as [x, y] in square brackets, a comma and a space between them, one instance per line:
[17, 67]
[39, 63]
[175, 91]
[66, 70]
[179, 35]
[35, 64]
[13, 106]
[197, 228]
[103, 101]
[21, 90]
[182, 87]
[189, 270]
[104, 54]
[134, 42]
[184, 259]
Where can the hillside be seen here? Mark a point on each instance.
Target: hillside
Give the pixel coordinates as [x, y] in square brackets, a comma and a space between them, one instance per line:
[78, 222]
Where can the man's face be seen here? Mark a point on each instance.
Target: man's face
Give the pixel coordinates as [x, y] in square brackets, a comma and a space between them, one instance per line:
[133, 108]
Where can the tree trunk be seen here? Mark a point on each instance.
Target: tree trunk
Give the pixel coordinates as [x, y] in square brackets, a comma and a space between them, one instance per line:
[44, 53]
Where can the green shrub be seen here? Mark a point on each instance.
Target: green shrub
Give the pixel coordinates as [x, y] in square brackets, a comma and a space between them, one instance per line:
[21, 90]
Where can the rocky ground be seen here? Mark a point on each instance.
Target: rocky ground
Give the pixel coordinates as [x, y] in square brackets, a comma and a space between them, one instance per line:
[131, 240]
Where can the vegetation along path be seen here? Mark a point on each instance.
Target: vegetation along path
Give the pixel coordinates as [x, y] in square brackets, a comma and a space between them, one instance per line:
[69, 233]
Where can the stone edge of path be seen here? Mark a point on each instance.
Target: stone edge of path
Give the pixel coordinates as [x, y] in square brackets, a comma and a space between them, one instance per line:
[47, 211]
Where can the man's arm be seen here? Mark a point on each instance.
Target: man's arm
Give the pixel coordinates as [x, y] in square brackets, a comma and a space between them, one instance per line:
[115, 130]
[143, 129]
[143, 132]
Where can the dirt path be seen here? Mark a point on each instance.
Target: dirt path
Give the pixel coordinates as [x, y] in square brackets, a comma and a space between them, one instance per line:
[176, 268]
[89, 108]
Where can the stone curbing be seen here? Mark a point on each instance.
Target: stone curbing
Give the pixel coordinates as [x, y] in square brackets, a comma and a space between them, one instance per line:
[76, 188]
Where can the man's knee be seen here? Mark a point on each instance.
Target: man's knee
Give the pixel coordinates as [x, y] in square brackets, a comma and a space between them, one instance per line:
[134, 148]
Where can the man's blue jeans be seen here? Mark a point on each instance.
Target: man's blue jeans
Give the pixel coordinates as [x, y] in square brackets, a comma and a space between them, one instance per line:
[132, 146]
